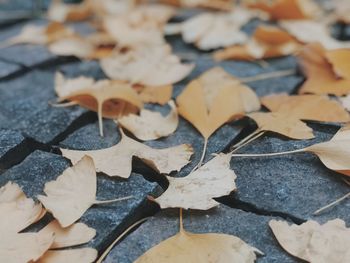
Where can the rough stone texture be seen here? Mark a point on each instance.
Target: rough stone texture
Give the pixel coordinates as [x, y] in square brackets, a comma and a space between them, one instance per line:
[251, 228]
[24, 106]
[41, 167]
[296, 184]
[6, 69]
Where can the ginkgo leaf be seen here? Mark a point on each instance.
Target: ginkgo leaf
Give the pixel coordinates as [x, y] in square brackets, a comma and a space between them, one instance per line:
[301, 29]
[266, 42]
[72, 193]
[307, 107]
[339, 59]
[76, 234]
[151, 125]
[312, 242]
[20, 211]
[321, 78]
[282, 123]
[150, 66]
[79, 255]
[111, 99]
[72, 46]
[346, 102]
[156, 94]
[286, 9]
[25, 247]
[224, 5]
[213, 99]
[61, 12]
[197, 190]
[335, 154]
[210, 247]
[163, 160]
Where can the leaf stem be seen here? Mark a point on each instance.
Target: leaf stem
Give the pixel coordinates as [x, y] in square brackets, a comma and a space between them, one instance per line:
[317, 212]
[181, 221]
[97, 202]
[269, 75]
[245, 140]
[62, 105]
[268, 154]
[99, 115]
[205, 146]
[106, 252]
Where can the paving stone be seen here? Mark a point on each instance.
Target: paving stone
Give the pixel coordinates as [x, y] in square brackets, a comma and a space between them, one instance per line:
[296, 184]
[7, 69]
[251, 228]
[24, 106]
[41, 167]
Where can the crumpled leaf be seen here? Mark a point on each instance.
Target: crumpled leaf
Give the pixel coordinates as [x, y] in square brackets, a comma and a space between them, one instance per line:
[321, 78]
[224, 5]
[335, 154]
[266, 42]
[282, 123]
[162, 160]
[213, 99]
[312, 242]
[62, 12]
[307, 107]
[301, 29]
[197, 190]
[79, 255]
[151, 125]
[110, 98]
[74, 235]
[210, 30]
[150, 66]
[72, 193]
[286, 9]
[191, 247]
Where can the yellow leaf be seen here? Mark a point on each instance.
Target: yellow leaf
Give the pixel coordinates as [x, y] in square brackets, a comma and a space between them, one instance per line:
[79, 255]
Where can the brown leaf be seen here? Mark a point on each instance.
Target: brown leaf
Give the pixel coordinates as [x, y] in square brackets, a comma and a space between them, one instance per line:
[150, 66]
[307, 107]
[266, 42]
[312, 242]
[111, 99]
[214, 99]
[163, 160]
[282, 123]
[151, 125]
[320, 76]
[79, 255]
[61, 12]
[197, 190]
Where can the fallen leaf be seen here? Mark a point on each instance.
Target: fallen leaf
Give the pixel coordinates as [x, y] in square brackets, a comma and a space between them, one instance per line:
[156, 94]
[307, 107]
[223, 5]
[190, 247]
[339, 59]
[346, 102]
[342, 10]
[79, 255]
[321, 78]
[312, 242]
[72, 46]
[197, 190]
[163, 160]
[213, 99]
[282, 123]
[74, 235]
[111, 99]
[151, 125]
[286, 9]
[62, 12]
[335, 154]
[266, 42]
[301, 29]
[149, 66]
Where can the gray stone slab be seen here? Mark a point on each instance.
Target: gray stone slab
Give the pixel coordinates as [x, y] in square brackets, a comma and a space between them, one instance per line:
[108, 220]
[296, 184]
[251, 228]
[7, 69]
[9, 140]
[24, 106]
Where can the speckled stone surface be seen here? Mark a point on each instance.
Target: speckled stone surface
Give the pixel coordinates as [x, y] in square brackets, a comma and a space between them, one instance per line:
[251, 228]
[6, 69]
[41, 167]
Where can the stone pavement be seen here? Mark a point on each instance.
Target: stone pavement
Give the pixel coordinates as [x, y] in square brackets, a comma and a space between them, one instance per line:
[288, 187]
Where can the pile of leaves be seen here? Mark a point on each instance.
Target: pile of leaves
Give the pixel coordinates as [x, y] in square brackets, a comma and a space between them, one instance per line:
[129, 42]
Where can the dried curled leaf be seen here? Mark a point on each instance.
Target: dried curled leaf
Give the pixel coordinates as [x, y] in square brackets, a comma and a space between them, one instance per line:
[286, 9]
[191, 247]
[282, 123]
[197, 190]
[79, 255]
[150, 66]
[214, 99]
[151, 125]
[266, 42]
[307, 107]
[163, 160]
[61, 12]
[110, 98]
[312, 242]
[319, 72]
[335, 154]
